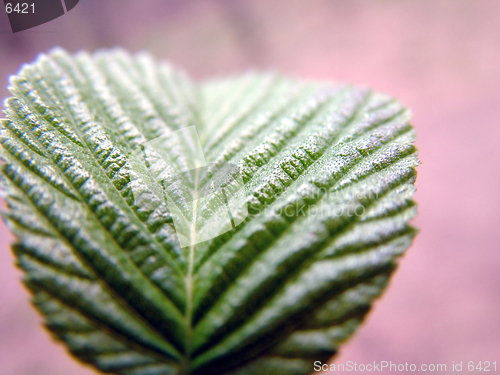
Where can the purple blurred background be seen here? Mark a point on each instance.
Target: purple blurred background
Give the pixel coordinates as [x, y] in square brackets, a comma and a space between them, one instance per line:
[439, 57]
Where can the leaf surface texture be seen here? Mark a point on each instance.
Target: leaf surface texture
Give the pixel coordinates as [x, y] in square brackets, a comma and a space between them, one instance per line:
[328, 176]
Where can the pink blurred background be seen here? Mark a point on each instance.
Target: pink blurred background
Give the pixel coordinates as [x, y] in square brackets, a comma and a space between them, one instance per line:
[440, 57]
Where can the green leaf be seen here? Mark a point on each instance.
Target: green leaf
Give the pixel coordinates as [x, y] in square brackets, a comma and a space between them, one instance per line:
[240, 226]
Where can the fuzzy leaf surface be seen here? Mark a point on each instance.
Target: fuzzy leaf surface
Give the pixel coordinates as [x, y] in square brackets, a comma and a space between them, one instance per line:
[95, 173]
